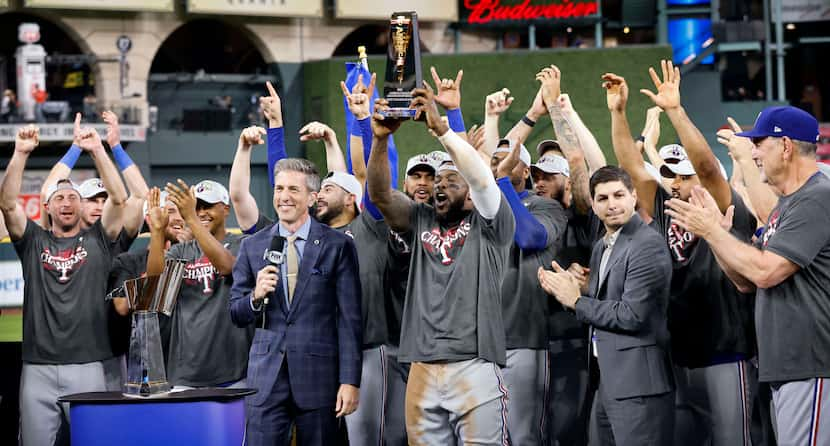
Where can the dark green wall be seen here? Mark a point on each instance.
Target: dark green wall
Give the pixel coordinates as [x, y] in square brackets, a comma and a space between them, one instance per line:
[486, 73]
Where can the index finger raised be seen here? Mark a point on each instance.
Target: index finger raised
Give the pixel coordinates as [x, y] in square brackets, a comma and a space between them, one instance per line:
[271, 89]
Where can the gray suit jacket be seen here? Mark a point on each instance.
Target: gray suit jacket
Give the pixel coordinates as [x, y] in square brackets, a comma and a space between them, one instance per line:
[628, 312]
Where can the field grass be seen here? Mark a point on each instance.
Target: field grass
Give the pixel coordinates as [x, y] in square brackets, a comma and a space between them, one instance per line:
[11, 326]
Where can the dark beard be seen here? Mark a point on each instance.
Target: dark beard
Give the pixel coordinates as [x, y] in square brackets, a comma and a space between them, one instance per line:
[454, 215]
[332, 212]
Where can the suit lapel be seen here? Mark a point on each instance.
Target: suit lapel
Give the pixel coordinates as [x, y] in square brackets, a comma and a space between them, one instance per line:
[596, 257]
[311, 252]
[620, 247]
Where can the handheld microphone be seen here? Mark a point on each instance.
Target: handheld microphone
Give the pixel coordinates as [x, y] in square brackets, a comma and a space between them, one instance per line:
[274, 255]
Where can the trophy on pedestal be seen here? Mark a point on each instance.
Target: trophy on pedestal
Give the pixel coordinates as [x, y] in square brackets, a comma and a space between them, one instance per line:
[403, 64]
[146, 297]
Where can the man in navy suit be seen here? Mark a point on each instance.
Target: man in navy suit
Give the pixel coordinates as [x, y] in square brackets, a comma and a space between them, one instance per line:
[305, 361]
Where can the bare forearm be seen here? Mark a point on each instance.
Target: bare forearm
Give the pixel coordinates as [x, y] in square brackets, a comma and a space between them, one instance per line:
[335, 161]
[579, 183]
[742, 262]
[491, 135]
[240, 178]
[12, 181]
[762, 198]
[742, 283]
[219, 256]
[135, 182]
[395, 207]
[155, 258]
[519, 133]
[698, 150]
[109, 176]
[631, 161]
[590, 146]
[356, 155]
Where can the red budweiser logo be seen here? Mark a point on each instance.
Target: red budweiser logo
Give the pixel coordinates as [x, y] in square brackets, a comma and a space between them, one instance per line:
[486, 11]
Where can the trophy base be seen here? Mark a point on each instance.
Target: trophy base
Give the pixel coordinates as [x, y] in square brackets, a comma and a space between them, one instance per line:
[144, 390]
[398, 113]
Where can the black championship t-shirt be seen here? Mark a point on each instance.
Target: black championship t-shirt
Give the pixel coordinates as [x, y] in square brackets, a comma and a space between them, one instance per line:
[453, 301]
[371, 238]
[524, 302]
[710, 321]
[132, 265]
[65, 311]
[578, 240]
[206, 349]
[793, 317]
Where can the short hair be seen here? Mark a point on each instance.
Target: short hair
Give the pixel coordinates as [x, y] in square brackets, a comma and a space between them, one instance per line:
[805, 148]
[303, 166]
[610, 174]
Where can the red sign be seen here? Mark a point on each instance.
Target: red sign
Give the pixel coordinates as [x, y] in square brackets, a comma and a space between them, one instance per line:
[482, 12]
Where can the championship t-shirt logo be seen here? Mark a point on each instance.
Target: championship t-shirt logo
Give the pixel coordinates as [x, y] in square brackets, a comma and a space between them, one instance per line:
[772, 226]
[680, 242]
[200, 272]
[445, 245]
[64, 262]
[349, 233]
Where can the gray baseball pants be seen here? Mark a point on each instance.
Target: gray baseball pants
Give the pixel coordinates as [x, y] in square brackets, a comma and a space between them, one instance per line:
[379, 418]
[44, 421]
[456, 403]
[713, 405]
[801, 412]
[526, 378]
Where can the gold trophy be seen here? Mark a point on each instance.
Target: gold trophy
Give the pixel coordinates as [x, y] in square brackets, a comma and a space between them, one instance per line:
[403, 64]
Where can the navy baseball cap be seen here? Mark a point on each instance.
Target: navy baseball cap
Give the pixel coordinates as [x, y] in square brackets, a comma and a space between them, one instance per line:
[788, 121]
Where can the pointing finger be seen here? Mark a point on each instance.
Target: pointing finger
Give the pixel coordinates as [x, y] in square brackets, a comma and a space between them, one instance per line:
[271, 90]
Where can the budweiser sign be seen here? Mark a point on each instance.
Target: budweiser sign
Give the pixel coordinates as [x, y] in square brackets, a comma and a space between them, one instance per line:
[485, 12]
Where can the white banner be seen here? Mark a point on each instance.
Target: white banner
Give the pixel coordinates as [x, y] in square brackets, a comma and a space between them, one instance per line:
[119, 5]
[64, 132]
[428, 10]
[803, 10]
[274, 8]
[11, 284]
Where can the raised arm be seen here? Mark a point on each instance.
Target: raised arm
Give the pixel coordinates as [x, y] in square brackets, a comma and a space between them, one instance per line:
[360, 135]
[761, 196]
[136, 184]
[239, 185]
[112, 217]
[627, 154]
[158, 219]
[651, 137]
[530, 234]
[395, 207]
[184, 198]
[449, 97]
[521, 131]
[571, 145]
[592, 153]
[317, 131]
[63, 168]
[700, 154]
[494, 105]
[484, 191]
[272, 109]
[15, 217]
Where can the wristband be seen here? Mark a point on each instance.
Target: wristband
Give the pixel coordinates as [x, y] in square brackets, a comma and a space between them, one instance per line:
[355, 130]
[528, 121]
[71, 156]
[456, 120]
[641, 138]
[121, 158]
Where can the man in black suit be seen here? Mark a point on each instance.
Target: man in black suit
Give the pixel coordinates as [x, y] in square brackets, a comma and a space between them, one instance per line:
[626, 307]
[305, 361]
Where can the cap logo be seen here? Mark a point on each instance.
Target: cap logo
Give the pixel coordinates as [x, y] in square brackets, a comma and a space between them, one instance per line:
[202, 188]
[777, 129]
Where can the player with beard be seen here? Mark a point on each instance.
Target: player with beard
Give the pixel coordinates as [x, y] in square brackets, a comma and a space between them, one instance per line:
[452, 322]
[379, 418]
[94, 195]
[206, 349]
[710, 320]
[540, 223]
[65, 269]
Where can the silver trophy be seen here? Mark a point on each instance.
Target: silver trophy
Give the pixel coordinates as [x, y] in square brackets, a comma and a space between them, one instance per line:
[147, 297]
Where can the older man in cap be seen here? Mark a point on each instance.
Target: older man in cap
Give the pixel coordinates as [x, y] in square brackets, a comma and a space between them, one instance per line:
[788, 268]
